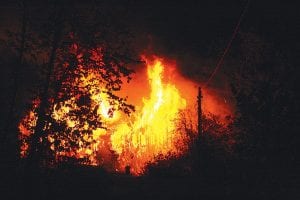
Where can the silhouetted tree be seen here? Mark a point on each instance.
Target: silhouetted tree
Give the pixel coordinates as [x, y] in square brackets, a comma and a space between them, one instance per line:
[264, 86]
[78, 47]
[18, 42]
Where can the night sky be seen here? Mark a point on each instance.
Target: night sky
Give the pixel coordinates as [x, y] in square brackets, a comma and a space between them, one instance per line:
[192, 28]
[195, 35]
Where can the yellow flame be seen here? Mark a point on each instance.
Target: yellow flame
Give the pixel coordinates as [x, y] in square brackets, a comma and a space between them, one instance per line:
[153, 132]
[136, 140]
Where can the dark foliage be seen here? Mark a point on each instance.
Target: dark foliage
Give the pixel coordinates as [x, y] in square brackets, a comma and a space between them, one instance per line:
[254, 157]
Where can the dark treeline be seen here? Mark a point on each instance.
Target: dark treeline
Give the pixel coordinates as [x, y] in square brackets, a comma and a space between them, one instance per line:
[58, 34]
[255, 156]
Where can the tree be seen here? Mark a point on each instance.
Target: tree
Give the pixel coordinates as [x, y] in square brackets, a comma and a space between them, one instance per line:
[77, 50]
[266, 95]
[19, 41]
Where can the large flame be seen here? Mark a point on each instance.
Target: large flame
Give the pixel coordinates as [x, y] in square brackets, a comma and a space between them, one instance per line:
[134, 140]
[153, 130]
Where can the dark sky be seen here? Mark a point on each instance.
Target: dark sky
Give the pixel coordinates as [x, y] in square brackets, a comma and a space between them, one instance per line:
[194, 26]
[194, 33]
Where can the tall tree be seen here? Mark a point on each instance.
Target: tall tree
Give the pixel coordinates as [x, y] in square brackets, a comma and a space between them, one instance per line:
[77, 48]
[35, 149]
[266, 100]
[20, 42]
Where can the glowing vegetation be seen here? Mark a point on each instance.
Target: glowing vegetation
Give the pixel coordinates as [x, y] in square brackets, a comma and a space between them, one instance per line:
[122, 140]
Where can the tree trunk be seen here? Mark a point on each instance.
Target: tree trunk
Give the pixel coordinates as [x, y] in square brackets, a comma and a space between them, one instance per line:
[16, 72]
[36, 147]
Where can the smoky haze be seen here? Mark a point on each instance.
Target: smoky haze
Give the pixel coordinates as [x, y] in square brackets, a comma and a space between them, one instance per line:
[192, 34]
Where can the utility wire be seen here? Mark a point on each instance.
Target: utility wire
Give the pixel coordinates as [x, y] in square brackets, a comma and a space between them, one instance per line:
[220, 62]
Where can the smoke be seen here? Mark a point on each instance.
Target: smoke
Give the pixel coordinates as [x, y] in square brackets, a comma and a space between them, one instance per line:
[189, 71]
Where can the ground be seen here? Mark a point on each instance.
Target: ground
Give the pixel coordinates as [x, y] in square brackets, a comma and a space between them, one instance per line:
[87, 183]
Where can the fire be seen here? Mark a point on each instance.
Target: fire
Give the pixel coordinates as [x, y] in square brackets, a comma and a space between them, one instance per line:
[90, 126]
[134, 140]
[153, 132]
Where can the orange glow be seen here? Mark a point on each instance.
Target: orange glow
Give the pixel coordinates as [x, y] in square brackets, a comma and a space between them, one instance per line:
[153, 129]
[160, 93]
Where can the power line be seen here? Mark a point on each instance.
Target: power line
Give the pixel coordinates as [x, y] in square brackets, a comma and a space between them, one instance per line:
[220, 62]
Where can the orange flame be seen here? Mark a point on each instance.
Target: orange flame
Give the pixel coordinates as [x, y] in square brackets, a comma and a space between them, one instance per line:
[135, 140]
[153, 131]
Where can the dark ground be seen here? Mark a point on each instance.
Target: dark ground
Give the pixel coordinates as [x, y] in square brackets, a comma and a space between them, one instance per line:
[247, 182]
[190, 29]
